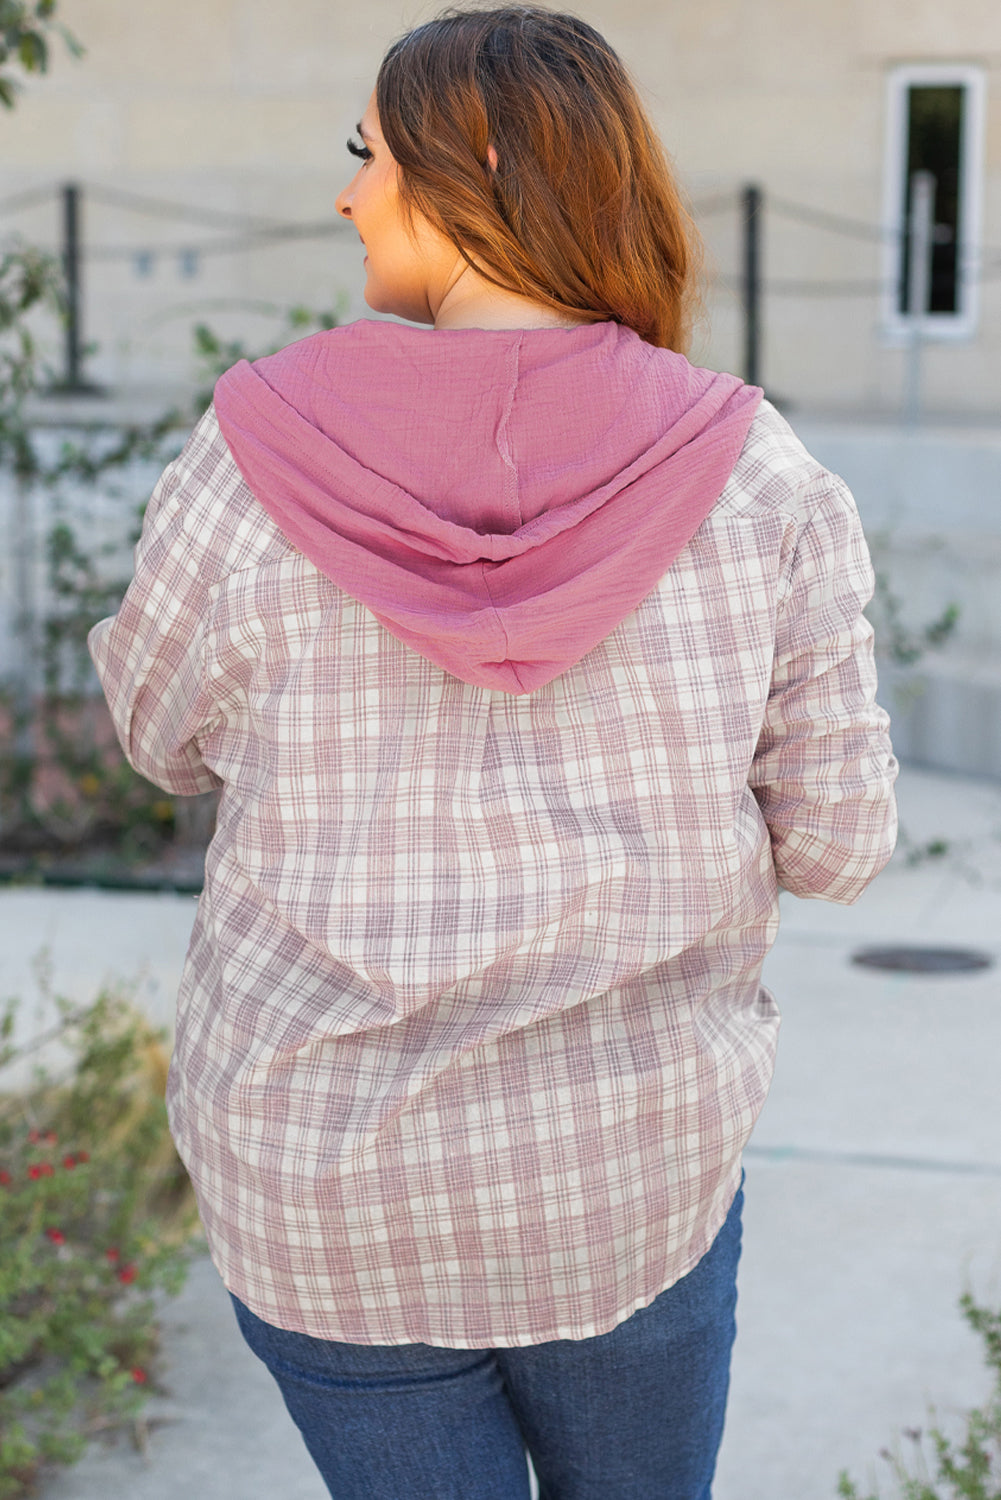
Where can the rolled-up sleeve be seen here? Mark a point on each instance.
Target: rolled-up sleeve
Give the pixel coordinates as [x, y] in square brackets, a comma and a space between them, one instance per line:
[150, 657]
[824, 771]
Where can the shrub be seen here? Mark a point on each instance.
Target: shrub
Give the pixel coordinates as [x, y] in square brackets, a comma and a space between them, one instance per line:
[96, 1216]
[965, 1469]
[65, 787]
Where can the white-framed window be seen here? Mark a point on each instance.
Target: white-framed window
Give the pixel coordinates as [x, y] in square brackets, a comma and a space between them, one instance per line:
[935, 124]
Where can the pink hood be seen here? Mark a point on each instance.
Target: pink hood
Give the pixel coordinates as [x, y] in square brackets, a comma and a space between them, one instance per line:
[499, 499]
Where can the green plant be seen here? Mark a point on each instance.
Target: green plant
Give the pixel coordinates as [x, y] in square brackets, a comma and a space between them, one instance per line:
[64, 784]
[29, 281]
[968, 1468]
[901, 643]
[96, 1215]
[904, 645]
[216, 355]
[24, 29]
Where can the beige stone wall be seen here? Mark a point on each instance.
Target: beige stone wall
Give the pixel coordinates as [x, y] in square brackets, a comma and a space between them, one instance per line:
[243, 105]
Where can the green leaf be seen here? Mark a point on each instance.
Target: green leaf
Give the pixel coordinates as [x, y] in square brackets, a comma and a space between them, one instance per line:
[73, 47]
[33, 52]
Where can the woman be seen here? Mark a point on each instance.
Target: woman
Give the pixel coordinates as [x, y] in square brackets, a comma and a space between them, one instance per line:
[530, 661]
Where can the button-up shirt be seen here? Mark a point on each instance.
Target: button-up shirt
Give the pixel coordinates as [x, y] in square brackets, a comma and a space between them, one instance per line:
[471, 1031]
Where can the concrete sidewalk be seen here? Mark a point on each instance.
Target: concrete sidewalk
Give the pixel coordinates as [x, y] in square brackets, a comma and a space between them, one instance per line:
[873, 1186]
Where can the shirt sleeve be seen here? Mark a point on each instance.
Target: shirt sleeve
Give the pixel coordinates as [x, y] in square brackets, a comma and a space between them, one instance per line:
[150, 657]
[823, 770]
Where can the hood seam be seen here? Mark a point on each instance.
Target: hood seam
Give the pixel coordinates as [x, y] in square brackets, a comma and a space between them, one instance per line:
[504, 438]
[511, 665]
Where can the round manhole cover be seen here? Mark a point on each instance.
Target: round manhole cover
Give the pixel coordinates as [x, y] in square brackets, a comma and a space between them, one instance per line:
[907, 960]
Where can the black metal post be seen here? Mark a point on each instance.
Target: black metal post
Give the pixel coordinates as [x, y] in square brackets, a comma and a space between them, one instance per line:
[71, 269]
[751, 200]
[73, 382]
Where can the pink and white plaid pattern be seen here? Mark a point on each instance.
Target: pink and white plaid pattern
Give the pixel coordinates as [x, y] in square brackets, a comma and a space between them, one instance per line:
[471, 1032]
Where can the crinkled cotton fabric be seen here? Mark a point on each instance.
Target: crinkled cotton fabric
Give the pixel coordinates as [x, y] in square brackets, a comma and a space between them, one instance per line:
[471, 1031]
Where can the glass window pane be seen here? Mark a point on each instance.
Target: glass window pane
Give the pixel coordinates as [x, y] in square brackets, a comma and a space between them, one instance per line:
[934, 144]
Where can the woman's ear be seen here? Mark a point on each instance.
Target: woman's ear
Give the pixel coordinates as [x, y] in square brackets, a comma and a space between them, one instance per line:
[492, 158]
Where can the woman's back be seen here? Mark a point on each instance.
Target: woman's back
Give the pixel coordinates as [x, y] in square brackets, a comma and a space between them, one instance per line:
[513, 927]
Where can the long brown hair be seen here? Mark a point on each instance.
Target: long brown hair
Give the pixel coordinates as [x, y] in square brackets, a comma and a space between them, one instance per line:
[582, 212]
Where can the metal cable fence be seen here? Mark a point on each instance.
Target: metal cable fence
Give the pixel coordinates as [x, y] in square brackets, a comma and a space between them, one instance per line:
[232, 234]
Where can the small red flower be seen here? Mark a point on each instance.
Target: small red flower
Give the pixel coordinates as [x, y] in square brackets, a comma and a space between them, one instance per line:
[34, 1172]
[4, 1179]
[51, 1137]
[139, 1376]
[83, 1156]
[111, 1255]
[128, 1273]
[69, 1162]
[56, 1236]
[46, 1169]
[34, 1136]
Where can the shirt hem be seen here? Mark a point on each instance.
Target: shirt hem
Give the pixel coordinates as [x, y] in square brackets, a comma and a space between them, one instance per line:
[575, 1333]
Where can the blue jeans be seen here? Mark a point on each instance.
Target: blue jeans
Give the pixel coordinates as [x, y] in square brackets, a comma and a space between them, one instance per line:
[634, 1414]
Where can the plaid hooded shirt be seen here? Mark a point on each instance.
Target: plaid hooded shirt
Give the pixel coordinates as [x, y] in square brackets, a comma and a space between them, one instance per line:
[471, 1031]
